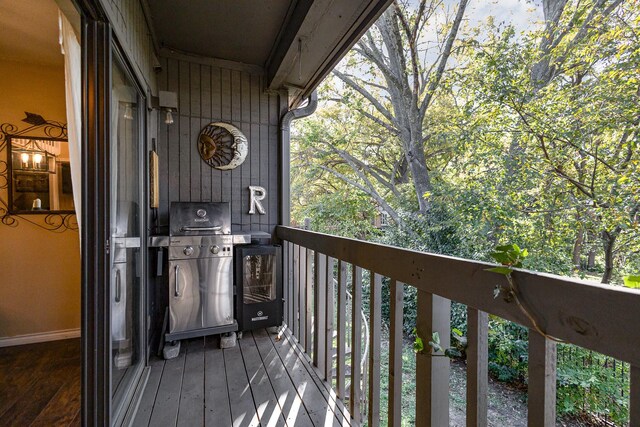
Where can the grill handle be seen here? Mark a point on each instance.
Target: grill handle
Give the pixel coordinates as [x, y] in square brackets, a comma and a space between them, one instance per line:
[214, 228]
[177, 291]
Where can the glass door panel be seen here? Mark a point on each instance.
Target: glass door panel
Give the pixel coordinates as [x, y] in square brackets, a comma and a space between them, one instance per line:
[125, 237]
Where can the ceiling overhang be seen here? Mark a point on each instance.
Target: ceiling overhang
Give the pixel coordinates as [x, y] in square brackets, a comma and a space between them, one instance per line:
[295, 42]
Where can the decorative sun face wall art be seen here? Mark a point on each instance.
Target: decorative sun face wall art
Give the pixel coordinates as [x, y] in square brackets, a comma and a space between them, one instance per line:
[222, 146]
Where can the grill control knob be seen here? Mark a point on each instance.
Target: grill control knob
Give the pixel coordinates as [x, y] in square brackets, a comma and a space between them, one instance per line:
[215, 249]
[188, 251]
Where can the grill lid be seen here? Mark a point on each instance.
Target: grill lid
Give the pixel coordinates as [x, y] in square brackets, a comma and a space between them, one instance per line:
[199, 218]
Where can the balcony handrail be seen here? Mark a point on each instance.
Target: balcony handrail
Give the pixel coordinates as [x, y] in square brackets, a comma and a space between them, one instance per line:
[591, 315]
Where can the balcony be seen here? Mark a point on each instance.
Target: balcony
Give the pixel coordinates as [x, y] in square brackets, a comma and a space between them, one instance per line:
[304, 374]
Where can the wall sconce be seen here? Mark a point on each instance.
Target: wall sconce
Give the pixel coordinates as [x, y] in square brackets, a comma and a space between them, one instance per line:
[168, 118]
[167, 102]
[30, 156]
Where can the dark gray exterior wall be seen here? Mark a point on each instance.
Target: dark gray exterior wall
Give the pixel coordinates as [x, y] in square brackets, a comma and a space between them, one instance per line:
[209, 92]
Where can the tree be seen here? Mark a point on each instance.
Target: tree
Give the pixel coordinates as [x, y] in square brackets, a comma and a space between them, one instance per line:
[396, 94]
[577, 109]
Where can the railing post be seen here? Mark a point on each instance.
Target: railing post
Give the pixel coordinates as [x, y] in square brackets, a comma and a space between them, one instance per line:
[309, 301]
[285, 282]
[542, 381]
[319, 310]
[375, 324]
[302, 297]
[432, 373]
[356, 343]
[342, 329]
[290, 270]
[295, 315]
[477, 367]
[329, 313]
[634, 397]
[396, 300]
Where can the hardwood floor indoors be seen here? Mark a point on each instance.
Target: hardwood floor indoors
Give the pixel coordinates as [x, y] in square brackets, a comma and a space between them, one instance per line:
[40, 384]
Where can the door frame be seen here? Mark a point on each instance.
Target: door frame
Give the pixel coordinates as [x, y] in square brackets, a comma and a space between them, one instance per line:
[98, 45]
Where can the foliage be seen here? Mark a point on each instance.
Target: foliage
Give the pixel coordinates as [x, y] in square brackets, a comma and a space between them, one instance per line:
[520, 136]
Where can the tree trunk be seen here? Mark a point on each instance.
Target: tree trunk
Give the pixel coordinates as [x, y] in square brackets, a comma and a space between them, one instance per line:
[420, 175]
[608, 242]
[577, 249]
[591, 260]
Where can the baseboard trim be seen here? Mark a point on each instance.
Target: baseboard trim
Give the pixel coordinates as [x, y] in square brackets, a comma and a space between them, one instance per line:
[39, 337]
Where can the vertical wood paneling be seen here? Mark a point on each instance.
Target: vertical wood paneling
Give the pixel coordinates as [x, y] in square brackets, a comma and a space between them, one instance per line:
[163, 147]
[356, 344]
[225, 94]
[195, 88]
[432, 373]
[477, 367]
[184, 127]
[396, 299]
[173, 160]
[261, 139]
[205, 85]
[542, 381]
[196, 162]
[208, 94]
[216, 115]
[341, 360]
[206, 179]
[205, 105]
[236, 174]
[184, 98]
[329, 320]
[247, 129]
[375, 322]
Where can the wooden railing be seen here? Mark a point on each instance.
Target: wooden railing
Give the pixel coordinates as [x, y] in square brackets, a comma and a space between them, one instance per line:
[598, 317]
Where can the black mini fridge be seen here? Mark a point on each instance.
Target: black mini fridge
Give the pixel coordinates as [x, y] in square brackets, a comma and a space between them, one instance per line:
[258, 286]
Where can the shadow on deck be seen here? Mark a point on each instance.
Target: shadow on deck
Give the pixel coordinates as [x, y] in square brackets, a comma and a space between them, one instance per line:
[263, 381]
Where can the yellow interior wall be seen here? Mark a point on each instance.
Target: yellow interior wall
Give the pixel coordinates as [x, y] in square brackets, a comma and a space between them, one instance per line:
[39, 270]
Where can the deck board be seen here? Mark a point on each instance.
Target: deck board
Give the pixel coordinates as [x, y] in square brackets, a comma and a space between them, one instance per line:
[260, 382]
[216, 393]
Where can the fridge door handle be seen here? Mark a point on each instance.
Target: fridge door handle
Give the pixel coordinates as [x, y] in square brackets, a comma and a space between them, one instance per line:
[177, 272]
[118, 296]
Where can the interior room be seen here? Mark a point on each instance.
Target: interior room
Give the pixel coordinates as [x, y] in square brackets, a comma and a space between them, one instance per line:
[39, 239]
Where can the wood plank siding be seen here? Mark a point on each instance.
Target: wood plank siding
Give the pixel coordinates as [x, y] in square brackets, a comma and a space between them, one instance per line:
[209, 93]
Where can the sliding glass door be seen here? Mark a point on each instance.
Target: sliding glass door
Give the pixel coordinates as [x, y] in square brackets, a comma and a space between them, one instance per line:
[126, 204]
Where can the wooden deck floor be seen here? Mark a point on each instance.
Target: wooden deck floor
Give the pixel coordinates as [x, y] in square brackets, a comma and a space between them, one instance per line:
[263, 381]
[40, 384]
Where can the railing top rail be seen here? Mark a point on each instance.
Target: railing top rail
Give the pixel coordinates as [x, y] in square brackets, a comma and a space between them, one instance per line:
[595, 316]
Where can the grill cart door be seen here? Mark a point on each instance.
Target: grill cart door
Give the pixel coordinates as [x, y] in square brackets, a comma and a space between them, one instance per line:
[258, 286]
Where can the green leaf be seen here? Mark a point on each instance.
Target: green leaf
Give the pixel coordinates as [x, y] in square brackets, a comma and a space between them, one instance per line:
[435, 337]
[500, 270]
[632, 281]
[456, 331]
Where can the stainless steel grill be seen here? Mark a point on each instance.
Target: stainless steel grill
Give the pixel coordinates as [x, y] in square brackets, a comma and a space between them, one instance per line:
[200, 270]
